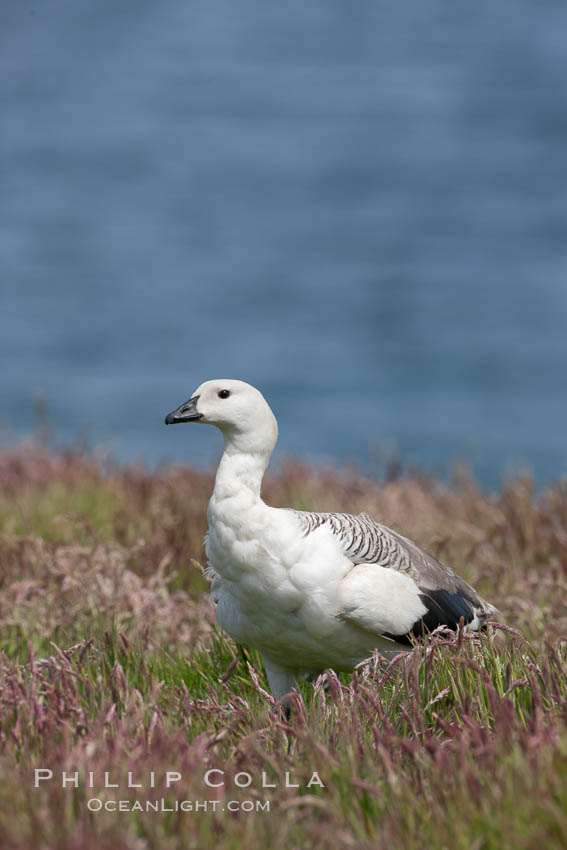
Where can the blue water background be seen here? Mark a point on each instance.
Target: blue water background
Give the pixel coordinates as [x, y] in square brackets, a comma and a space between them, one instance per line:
[361, 208]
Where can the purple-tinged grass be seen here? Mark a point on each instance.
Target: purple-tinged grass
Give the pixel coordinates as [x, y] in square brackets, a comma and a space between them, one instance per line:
[110, 661]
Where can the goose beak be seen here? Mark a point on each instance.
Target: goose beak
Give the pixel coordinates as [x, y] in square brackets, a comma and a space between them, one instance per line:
[186, 412]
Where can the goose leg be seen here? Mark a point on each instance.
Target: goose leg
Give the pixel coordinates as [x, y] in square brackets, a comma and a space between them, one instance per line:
[281, 682]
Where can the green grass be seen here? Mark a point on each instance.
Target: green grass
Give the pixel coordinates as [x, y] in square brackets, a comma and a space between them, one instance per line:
[110, 660]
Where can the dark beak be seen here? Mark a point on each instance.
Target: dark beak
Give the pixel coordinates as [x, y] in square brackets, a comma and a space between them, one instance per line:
[187, 412]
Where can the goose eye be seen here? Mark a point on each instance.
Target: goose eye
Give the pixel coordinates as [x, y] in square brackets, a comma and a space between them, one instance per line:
[224, 393]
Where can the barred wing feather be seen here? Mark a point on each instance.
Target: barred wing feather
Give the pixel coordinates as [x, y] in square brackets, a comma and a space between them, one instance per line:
[447, 597]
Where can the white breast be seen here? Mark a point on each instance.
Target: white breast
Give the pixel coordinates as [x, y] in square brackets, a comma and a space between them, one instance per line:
[280, 593]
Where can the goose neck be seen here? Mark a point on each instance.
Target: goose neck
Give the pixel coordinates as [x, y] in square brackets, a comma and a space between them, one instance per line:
[240, 475]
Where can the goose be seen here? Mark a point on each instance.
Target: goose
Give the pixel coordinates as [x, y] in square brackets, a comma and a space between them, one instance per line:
[310, 591]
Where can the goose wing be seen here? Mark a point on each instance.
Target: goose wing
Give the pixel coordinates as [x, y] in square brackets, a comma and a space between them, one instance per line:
[425, 595]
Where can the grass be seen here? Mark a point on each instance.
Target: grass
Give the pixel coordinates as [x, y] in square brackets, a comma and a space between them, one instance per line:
[110, 661]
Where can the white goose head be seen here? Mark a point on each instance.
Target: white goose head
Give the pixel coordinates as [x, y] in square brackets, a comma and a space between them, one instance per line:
[238, 409]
